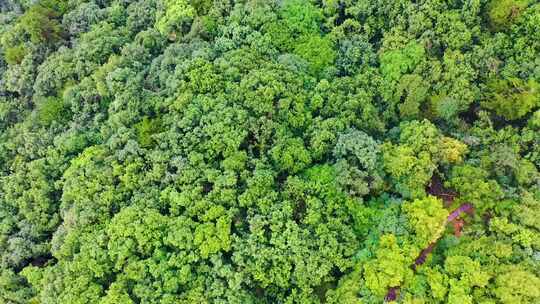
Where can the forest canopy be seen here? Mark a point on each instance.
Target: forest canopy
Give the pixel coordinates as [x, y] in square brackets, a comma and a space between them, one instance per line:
[269, 151]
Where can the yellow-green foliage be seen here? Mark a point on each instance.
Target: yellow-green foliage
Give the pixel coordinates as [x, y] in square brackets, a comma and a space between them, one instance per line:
[317, 50]
[388, 269]
[12, 42]
[42, 24]
[145, 129]
[502, 13]
[176, 17]
[513, 98]
[14, 55]
[426, 218]
[52, 109]
[517, 286]
[421, 149]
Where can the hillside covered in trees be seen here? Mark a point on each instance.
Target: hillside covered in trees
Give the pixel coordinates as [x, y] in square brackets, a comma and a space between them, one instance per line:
[269, 151]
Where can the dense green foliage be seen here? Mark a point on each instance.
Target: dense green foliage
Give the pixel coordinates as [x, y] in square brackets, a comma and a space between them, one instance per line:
[261, 151]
